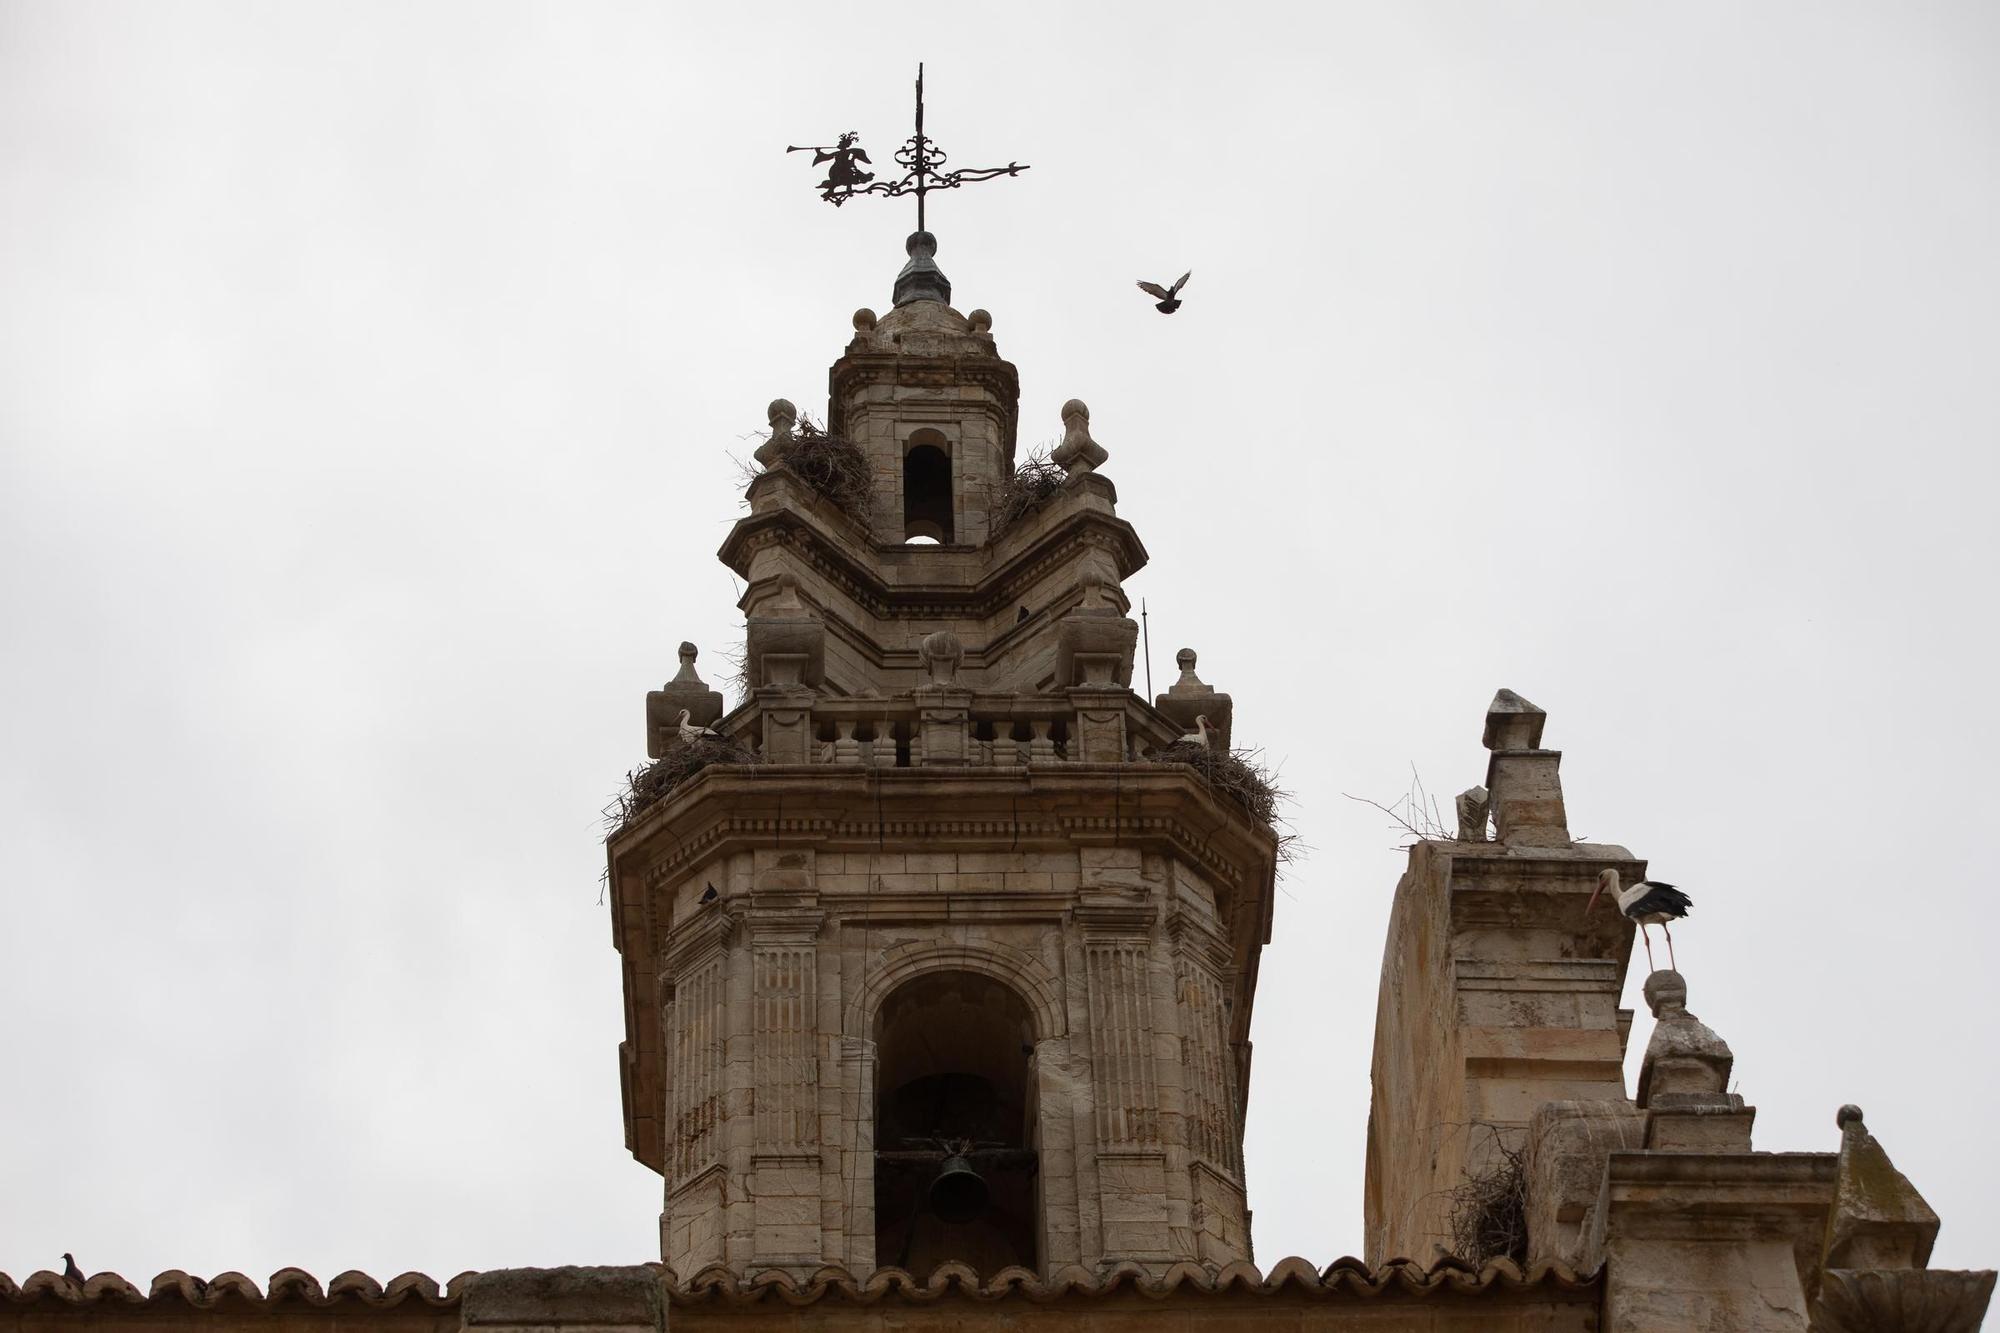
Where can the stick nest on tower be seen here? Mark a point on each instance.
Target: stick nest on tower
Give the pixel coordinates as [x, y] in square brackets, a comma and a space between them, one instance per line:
[1034, 483]
[1489, 1211]
[1241, 776]
[835, 468]
[649, 784]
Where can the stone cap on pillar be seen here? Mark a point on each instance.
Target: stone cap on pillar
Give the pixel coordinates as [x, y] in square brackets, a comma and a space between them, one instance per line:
[1523, 779]
[686, 690]
[1189, 698]
[1512, 723]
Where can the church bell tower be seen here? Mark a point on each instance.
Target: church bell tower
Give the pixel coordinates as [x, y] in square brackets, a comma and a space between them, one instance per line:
[941, 945]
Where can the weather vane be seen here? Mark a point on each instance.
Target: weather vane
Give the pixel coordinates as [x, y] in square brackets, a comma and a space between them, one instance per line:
[919, 157]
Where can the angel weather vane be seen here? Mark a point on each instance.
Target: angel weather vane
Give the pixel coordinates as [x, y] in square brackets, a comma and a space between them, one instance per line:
[919, 157]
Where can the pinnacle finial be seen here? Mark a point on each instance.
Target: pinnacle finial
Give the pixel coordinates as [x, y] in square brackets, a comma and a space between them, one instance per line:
[921, 278]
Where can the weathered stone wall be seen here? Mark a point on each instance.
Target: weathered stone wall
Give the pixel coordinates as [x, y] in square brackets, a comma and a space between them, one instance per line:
[770, 990]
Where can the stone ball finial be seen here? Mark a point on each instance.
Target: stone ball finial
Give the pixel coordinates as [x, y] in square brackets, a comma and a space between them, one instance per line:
[864, 320]
[920, 245]
[1666, 992]
[942, 653]
[1185, 659]
[782, 416]
[1078, 453]
[1846, 1115]
[981, 321]
[688, 651]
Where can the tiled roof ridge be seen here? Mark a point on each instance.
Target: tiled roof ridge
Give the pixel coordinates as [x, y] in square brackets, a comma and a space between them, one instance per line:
[718, 1285]
[1346, 1275]
[287, 1284]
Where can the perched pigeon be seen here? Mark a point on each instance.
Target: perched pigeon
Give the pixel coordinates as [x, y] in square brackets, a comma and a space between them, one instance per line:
[1170, 300]
[1023, 615]
[709, 894]
[70, 1270]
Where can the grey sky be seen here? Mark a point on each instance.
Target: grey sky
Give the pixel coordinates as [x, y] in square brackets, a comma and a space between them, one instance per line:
[369, 376]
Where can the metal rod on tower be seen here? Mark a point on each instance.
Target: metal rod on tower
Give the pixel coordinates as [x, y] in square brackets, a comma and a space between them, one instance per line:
[1146, 632]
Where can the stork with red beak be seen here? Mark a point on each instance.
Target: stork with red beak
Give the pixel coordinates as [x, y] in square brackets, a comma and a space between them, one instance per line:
[1650, 903]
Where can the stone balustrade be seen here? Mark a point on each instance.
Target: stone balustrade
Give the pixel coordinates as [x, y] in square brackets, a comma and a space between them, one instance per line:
[956, 728]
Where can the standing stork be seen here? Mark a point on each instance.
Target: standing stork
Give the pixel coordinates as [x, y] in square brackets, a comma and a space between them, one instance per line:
[1650, 903]
[1199, 736]
[689, 732]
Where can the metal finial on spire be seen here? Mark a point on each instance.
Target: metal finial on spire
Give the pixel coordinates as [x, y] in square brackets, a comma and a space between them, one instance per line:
[920, 158]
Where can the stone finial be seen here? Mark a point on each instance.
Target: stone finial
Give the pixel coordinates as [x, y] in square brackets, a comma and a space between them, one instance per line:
[785, 642]
[1686, 1061]
[783, 417]
[1078, 453]
[942, 654]
[921, 278]
[1684, 1080]
[864, 320]
[1189, 698]
[981, 322]
[1472, 814]
[1512, 723]
[1524, 780]
[687, 691]
[1878, 1219]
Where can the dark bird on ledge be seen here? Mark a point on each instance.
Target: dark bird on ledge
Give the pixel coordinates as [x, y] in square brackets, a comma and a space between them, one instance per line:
[1022, 616]
[1650, 903]
[70, 1270]
[708, 895]
[1170, 300]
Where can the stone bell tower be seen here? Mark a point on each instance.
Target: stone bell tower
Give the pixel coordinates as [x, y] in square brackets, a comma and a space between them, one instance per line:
[941, 946]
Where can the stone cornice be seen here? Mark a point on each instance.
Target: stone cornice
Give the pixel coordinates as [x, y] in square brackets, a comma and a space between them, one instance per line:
[854, 807]
[852, 569]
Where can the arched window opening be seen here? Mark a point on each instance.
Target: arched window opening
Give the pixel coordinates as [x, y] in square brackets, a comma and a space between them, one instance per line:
[955, 1141]
[927, 488]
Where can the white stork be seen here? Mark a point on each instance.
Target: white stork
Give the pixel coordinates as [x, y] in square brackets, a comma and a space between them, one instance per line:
[1650, 903]
[690, 733]
[1199, 736]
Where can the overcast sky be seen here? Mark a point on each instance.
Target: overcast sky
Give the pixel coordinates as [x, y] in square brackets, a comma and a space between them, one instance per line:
[370, 376]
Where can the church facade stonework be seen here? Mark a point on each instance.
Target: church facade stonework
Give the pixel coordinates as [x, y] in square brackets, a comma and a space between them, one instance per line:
[940, 950]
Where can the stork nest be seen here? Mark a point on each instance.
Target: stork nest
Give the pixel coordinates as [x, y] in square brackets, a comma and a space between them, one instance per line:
[1242, 777]
[1034, 483]
[835, 468]
[649, 784]
[1489, 1212]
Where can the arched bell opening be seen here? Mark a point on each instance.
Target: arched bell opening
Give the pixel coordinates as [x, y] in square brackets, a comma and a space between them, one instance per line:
[927, 488]
[955, 1140]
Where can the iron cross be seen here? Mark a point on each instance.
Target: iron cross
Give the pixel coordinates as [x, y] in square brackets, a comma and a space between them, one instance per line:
[920, 158]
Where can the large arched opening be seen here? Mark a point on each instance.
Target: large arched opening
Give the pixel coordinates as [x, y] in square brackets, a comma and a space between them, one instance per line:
[927, 487]
[955, 1139]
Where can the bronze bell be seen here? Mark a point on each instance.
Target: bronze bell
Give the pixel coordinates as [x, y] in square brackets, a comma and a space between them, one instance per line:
[958, 1194]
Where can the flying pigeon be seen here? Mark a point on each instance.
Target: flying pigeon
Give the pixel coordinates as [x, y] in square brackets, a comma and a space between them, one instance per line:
[1170, 300]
